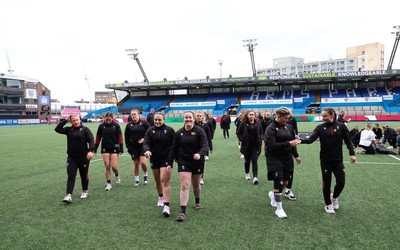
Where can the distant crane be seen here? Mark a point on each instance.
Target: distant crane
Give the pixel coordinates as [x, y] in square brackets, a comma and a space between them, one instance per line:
[396, 43]
[88, 84]
[134, 55]
[10, 70]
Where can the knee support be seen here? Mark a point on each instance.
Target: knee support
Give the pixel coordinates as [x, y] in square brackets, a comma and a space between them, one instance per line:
[278, 184]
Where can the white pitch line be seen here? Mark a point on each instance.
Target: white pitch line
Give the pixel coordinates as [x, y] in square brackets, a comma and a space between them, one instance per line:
[100, 159]
[395, 157]
[378, 163]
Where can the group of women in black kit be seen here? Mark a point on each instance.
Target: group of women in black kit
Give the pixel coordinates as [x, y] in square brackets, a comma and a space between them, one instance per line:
[190, 145]
[280, 136]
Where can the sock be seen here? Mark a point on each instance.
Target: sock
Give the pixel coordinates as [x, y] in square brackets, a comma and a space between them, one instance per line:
[108, 181]
[116, 175]
[136, 178]
[279, 205]
[197, 200]
[160, 195]
[166, 204]
[183, 209]
[145, 174]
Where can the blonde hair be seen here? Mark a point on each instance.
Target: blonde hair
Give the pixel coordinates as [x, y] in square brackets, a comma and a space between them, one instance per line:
[282, 111]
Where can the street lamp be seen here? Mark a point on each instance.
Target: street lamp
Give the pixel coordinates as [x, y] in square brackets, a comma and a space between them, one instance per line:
[396, 43]
[250, 44]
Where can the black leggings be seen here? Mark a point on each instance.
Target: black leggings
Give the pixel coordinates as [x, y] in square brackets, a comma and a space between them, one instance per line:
[327, 168]
[226, 132]
[251, 156]
[73, 164]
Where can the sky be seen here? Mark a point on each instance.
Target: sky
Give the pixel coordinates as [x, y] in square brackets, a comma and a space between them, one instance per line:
[75, 47]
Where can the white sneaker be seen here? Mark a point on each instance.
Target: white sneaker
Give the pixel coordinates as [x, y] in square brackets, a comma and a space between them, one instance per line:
[160, 202]
[329, 209]
[238, 146]
[166, 211]
[136, 183]
[335, 202]
[108, 187]
[255, 180]
[206, 158]
[280, 213]
[390, 147]
[146, 179]
[272, 198]
[247, 177]
[84, 195]
[67, 199]
[118, 180]
[241, 156]
[201, 181]
[290, 195]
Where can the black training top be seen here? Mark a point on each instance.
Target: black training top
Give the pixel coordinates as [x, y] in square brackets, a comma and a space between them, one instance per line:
[277, 139]
[207, 129]
[134, 131]
[186, 144]
[158, 140]
[264, 124]
[79, 140]
[331, 136]
[250, 136]
[110, 135]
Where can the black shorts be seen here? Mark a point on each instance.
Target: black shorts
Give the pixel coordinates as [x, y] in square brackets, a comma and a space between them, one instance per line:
[114, 150]
[279, 169]
[158, 164]
[194, 169]
[136, 153]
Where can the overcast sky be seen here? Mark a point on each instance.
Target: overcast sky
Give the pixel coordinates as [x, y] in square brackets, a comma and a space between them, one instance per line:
[57, 41]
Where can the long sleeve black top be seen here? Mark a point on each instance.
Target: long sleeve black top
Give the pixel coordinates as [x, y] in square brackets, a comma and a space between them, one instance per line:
[158, 140]
[134, 131]
[110, 136]
[79, 140]
[186, 144]
[277, 139]
[331, 136]
[207, 130]
[247, 140]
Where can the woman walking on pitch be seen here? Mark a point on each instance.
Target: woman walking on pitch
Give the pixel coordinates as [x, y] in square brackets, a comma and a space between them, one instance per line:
[280, 149]
[199, 121]
[112, 145]
[80, 148]
[157, 144]
[189, 148]
[134, 138]
[225, 124]
[250, 136]
[331, 134]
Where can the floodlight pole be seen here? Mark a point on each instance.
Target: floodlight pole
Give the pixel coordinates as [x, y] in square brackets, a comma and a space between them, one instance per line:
[134, 55]
[220, 68]
[250, 45]
[396, 43]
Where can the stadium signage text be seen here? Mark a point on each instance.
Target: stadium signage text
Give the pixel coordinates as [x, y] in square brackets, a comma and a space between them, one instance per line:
[192, 104]
[363, 73]
[351, 100]
[252, 102]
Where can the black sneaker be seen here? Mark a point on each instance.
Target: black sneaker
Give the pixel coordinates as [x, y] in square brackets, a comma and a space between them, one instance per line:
[290, 195]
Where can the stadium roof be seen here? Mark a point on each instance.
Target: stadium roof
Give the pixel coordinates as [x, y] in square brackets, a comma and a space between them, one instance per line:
[313, 78]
